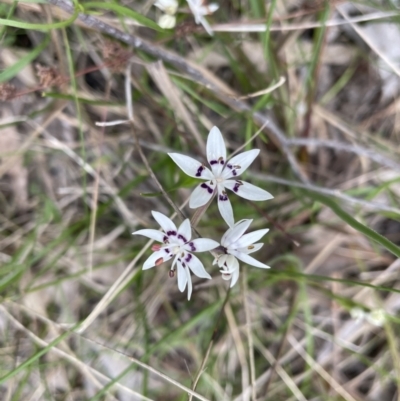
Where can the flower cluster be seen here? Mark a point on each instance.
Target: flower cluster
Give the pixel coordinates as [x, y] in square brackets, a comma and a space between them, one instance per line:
[235, 245]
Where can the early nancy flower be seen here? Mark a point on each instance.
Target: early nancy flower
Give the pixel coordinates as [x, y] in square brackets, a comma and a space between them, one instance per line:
[223, 174]
[239, 246]
[178, 243]
[199, 10]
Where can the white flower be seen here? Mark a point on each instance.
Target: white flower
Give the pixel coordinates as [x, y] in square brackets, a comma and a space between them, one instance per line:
[220, 176]
[376, 317]
[178, 243]
[199, 10]
[167, 21]
[239, 246]
[167, 6]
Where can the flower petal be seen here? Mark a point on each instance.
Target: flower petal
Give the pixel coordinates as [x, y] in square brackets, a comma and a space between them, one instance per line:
[249, 259]
[153, 234]
[191, 166]
[201, 195]
[167, 21]
[168, 6]
[247, 191]
[251, 248]
[250, 238]
[234, 233]
[235, 273]
[225, 207]
[157, 258]
[189, 280]
[216, 151]
[196, 266]
[239, 163]
[182, 277]
[201, 245]
[165, 222]
[211, 8]
[185, 231]
[206, 25]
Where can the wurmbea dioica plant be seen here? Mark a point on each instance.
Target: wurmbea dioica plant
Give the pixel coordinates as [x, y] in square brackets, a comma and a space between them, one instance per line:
[235, 244]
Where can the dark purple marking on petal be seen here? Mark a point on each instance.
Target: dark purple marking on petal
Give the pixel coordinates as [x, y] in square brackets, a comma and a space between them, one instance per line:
[237, 185]
[180, 236]
[234, 173]
[223, 196]
[229, 166]
[205, 186]
[221, 160]
[192, 247]
[167, 250]
[170, 233]
[212, 162]
[165, 240]
[188, 258]
[183, 264]
[200, 170]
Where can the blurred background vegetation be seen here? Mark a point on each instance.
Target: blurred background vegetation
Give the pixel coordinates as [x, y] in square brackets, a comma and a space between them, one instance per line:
[318, 82]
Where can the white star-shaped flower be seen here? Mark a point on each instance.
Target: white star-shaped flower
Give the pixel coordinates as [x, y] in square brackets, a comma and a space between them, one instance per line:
[199, 9]
[223, 174]
[239, 246]
[178, 243]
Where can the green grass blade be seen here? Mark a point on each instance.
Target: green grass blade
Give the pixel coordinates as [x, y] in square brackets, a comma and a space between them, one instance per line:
[39, 27]
[35, 357]
[351, 221]
[12, 71]
[124, 12]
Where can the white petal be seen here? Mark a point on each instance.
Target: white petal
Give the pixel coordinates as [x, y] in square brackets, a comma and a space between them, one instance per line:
[235, 274]
[251, 248]
[234, 233]
[247, 191]
[206, 25]
[153, 234]
[216, 151]
[195, 265]
[239, 163]
[193, 5]
[250, 238]
[191, 166]
[212, 8]
[165, 222]
[201, 195]
[167, 21]
[201, 245]
[189, 279]
[159, 256]
[182, 277]
[185, 231]
[225, 208]
[168, 6]
[249, 259]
